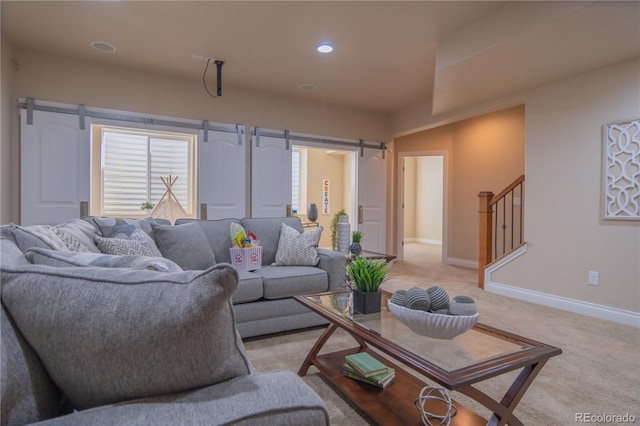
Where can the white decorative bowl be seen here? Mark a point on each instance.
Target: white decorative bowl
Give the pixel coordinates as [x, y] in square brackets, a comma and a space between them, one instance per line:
[439, 326]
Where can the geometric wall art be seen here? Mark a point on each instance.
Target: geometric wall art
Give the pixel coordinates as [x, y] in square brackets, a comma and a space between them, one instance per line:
[622, 170]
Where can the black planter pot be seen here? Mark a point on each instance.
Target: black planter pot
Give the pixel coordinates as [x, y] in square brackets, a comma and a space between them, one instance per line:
[366, 303]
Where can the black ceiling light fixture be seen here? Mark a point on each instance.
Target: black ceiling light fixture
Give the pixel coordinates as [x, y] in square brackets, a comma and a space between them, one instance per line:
[218, 65]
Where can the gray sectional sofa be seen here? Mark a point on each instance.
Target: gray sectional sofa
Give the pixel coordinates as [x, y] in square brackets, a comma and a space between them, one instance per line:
[264, 300]
[89, 338]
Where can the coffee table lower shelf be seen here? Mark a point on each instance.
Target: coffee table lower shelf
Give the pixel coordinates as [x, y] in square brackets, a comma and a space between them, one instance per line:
[393, 405]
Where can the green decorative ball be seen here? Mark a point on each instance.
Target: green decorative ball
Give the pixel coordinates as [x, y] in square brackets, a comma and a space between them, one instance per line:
[463, 305]
[444, 311]
[418, 299]
[439, 298]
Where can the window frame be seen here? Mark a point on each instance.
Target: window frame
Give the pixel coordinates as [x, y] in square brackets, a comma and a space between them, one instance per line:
[151, 132]
[302, 178]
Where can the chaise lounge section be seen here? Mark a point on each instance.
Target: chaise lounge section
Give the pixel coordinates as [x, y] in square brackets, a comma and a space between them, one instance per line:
[115, 345]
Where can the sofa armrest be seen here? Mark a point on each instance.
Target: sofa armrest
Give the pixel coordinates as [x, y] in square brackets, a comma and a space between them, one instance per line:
[277, 398]
[334, 263]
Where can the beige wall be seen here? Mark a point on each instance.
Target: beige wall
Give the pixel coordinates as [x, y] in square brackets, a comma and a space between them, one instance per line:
[486, 153]
[563, 225]
[56, 79]
[429, 190]
[423, 186]
[410, 196]
[8, 196]
[348, 183]
[320, 166]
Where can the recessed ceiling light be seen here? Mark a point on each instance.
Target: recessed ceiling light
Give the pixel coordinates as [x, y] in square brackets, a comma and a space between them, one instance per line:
[325, 48]
[103, 47]
[307, 87]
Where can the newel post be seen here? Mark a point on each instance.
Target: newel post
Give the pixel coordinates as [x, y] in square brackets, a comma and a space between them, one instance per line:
[484, 236]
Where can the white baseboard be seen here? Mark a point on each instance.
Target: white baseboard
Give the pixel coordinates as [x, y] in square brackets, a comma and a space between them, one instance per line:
[423, 241]
[566, 304]
[559, 302]
[428, 241]
[465, 263]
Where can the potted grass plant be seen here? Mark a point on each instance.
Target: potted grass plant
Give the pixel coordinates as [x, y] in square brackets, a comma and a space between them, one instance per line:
[355, 248]
[147, 207]
[364, 277]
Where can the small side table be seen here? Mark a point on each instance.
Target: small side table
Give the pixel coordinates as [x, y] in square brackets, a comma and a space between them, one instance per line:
[373, 255]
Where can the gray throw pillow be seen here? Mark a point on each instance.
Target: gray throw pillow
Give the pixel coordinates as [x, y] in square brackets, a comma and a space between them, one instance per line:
[185, 244]
[109, 335]
[109, 226]
[74, 235]
[298, 249]
[64, 259]
[139, 244]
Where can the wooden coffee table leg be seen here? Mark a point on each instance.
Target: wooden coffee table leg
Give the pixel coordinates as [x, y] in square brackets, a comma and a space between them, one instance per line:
[503, 410]
[311, 356]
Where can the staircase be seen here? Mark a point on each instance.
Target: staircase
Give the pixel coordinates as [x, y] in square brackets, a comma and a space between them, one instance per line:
[501, 224]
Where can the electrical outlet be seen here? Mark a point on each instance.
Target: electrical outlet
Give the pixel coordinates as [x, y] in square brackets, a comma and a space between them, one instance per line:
[594, 278]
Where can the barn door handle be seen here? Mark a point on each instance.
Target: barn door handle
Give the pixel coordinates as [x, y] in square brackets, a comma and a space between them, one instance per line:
[360, 214]
[84, 208]
[288, 210]
[203, 210]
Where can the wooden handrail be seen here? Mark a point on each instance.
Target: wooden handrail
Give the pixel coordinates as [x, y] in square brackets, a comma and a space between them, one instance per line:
[507, 190]
[485, 212]
[487, 204]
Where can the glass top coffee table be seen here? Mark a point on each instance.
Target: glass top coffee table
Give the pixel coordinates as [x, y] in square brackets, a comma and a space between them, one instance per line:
[479, 354]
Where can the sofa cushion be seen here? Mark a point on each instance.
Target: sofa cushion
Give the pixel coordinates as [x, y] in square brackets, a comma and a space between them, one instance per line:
[106, 225]
[185, 244]
[74, 235]
[10, 253]
[139, 244]
[28, 394]
[109, 335]
[298, 248]
[273, 398]
[267, 230]
[287, 281]
[249, 288]
[217, 233]
[64, 259]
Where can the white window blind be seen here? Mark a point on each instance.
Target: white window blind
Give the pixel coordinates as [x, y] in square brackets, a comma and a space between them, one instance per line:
[295, 181]
[132, 164]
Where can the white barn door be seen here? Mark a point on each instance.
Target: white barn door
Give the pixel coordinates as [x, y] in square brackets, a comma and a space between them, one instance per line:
[221, 174]
[371, 216]
[54, 167]
[270, 177]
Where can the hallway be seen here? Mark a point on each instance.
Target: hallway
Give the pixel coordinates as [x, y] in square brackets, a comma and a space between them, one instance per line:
[422, 267]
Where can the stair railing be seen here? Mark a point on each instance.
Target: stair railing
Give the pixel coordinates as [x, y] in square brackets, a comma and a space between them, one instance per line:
[501, 224]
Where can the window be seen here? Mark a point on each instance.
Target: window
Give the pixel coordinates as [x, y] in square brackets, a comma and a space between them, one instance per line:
[299, 180]
[128, 165]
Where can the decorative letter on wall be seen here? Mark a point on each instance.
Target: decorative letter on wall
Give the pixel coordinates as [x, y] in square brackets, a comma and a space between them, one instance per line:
[622, 170]
[325, 196]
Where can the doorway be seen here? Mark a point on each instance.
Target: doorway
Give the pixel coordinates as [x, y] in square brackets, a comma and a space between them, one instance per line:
[324, 176]
[422, 207]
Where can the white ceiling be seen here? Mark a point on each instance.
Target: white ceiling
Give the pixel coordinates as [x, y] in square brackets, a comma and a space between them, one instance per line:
[389, 56]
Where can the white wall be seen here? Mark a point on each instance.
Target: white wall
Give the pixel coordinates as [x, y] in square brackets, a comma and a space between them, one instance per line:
[58, 79]
[563, 227]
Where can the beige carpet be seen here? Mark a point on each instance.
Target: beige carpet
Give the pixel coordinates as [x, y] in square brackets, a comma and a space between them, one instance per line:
[598, 372]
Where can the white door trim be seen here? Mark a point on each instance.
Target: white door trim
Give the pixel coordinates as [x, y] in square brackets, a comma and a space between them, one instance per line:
[445, 200]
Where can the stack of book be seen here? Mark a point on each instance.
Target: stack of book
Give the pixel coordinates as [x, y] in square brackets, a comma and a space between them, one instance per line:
[365, 368]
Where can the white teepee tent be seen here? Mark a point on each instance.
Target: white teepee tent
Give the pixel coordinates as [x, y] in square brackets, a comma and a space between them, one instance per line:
[168, 207]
